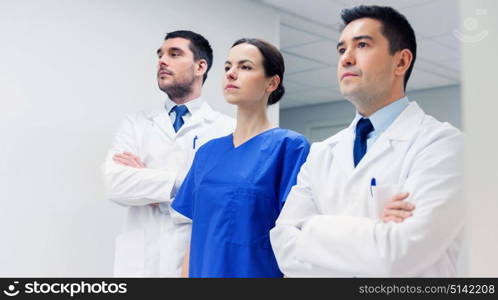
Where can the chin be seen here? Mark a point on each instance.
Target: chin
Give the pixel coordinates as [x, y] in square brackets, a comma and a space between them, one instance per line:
[349, 94]
[346, 92]
[350, 89]
[164, 84]
[232, 99]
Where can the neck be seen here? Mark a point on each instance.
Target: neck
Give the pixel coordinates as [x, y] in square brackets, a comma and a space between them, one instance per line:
[368, 107]
[251, 121]
[196, 93]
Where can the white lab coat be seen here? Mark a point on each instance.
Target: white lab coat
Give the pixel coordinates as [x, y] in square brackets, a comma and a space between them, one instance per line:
[150, 244]
[330, 224]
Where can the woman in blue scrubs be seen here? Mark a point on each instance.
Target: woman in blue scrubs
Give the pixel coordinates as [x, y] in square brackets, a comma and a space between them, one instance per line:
[237, 184]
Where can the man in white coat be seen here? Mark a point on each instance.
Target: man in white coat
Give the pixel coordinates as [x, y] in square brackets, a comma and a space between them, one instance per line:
[331, 222]
[151, 154]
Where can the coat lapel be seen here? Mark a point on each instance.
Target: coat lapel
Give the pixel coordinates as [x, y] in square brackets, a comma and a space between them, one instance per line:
[205, 113]
[403, 129]
[342, 150]
[161, 120]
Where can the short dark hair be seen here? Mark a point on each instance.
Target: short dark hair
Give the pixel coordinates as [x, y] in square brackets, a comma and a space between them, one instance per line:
[199, 46]
[395, 27]
[273, 63]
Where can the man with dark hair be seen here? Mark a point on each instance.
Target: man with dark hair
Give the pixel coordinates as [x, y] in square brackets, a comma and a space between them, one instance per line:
[198, 45]
[331, 223]
[151, 154]
[394, 27]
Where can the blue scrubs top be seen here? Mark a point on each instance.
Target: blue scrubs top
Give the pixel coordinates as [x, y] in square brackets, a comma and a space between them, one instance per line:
[234, 196]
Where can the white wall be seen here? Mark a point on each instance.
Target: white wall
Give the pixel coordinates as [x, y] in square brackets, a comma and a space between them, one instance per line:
[70, 70]
[443, 103]
[480, 104]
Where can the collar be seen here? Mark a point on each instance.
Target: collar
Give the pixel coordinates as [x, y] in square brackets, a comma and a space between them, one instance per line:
[197, 107]
[194, 105]
[402, 128]
[382, 118]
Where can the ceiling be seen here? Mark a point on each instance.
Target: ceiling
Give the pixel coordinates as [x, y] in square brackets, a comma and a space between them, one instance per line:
[309, 32]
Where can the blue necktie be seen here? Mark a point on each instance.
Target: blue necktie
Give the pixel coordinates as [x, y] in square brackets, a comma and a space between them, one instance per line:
[180, 111]
[363, 128]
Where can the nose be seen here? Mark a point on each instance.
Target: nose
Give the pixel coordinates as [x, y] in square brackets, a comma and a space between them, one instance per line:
[347, 58]
[162, 61]
[231, 74]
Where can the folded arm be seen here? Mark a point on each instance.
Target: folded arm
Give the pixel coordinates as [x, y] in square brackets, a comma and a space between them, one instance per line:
[128, 181]
[358, 246]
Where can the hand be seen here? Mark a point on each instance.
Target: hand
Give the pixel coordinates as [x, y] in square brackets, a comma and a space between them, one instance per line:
[397, 210]
[186, 261]
[128, 159]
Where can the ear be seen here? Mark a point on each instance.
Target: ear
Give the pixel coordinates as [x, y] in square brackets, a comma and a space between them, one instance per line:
[403, 62]
[201, 67]
[272, 83]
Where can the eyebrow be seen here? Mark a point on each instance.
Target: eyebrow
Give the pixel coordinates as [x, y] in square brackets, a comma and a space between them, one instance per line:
[241, 62]
[356, 38]
[159, 51]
